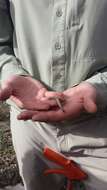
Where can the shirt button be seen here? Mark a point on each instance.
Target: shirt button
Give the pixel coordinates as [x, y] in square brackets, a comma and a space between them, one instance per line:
[59, 12]
[57, 46]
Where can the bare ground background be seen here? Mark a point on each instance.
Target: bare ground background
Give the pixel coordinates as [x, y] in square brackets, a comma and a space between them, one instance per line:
[9, 174]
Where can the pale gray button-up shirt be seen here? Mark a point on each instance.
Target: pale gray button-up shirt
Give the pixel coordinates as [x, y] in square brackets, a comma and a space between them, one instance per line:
[62, 43]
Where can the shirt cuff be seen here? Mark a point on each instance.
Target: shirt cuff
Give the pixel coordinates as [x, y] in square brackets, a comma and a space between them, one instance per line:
[12, 67]
[99, 81]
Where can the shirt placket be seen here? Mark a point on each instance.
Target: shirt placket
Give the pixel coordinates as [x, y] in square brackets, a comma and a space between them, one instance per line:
[58, 45]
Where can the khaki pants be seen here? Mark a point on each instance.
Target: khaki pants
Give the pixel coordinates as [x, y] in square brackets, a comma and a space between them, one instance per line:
[29, 138]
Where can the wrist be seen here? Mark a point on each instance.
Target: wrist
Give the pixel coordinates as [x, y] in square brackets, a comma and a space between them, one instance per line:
[86, 88]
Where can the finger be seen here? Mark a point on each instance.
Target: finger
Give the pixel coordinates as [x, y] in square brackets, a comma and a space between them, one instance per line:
[52, 94]
[5, 92]
[17, 102]
[52, 102]
[26, 115]
[43, 116]
[48, 116]
[53, 98]
[90, 106]
[36, 105]
[49, 97]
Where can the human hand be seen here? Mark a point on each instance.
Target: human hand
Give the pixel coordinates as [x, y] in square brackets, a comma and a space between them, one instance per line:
[28, 93]
[76, 100]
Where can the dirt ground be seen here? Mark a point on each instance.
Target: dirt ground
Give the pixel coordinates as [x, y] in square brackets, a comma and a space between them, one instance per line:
[9, 174]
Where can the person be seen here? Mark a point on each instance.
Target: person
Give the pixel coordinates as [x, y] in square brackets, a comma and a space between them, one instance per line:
[56, 48]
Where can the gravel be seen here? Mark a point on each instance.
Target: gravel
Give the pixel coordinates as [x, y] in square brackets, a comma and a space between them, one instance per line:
[9, 174]
[16, 187]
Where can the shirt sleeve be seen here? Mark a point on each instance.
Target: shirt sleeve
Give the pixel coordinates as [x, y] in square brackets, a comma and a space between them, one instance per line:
[9, 64]
[99, 81]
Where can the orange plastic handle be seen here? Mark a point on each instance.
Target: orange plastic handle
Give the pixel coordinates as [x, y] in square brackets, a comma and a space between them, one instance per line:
[69, 168]
[56, 157]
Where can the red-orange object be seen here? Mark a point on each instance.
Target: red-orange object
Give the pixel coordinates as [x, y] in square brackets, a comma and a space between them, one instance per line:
[69, 168]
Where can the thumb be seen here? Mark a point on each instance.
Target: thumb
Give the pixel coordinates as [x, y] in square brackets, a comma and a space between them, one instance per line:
[90, 105]
[5, 92]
